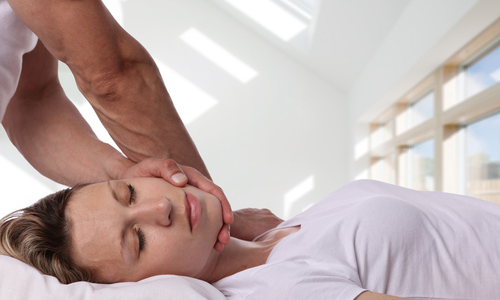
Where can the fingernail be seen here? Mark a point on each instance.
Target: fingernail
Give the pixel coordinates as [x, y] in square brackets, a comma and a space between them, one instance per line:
[179, 178]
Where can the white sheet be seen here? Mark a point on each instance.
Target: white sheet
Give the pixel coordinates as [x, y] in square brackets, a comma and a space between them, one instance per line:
[19, 281]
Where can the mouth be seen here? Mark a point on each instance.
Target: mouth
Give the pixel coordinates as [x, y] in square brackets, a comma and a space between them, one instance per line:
[193, 211]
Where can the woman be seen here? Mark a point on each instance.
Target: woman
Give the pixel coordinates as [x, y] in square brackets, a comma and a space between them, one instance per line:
[363, 241]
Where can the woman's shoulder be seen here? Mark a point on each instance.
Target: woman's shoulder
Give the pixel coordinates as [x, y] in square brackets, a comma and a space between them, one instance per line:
[285, 280]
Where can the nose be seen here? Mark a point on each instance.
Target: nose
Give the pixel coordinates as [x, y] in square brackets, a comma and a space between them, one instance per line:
[153, 211]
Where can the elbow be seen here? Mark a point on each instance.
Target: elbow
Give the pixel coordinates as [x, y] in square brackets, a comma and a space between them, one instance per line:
[105, 88]
[102, 87]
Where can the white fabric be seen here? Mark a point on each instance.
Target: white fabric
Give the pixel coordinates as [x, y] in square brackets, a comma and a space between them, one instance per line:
[18, 281]
[387, 239]
[15, 40]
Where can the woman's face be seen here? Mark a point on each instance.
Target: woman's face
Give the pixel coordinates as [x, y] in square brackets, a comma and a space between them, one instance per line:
[131, 229]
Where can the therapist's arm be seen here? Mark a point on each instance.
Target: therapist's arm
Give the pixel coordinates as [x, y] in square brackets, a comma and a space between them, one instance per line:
[50, 132]
[52, 135]
[115, 74]
[251, 222]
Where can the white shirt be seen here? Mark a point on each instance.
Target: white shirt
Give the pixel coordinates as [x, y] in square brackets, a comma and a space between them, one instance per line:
[374, 236]
[15, 40]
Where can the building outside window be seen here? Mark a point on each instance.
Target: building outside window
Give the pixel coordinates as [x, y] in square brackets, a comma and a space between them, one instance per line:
[444, 133]
[482, 158]
[421, 166]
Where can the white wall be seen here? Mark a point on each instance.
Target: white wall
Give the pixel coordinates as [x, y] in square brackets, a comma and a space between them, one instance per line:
[260, 139]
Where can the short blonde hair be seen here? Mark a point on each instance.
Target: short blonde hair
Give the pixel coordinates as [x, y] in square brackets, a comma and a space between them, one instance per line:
[39, 235]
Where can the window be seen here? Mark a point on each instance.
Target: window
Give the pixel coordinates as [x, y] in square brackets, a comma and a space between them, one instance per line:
[384, 168]
[307, 6]
[421, 110]
[382, 132]
[417, 107]
[286, 19]
[482, 158]
[483, 72]
[444, 134]
[421, 166]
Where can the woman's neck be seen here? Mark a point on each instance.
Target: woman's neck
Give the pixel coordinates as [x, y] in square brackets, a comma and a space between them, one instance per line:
[240, 255]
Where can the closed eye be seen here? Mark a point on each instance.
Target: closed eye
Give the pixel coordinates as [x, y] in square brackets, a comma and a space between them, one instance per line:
[140, 233]
[132, 193]
[142, 239]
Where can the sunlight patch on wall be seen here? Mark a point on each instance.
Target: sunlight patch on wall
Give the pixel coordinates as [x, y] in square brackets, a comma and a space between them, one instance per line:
[271, 16]
[218, 55]
[297, 192]
[190, 101]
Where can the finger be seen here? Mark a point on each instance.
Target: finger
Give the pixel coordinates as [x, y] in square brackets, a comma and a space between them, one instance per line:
[224, 235]
[171, 172]
[227, 212]
[198, 180]
[163, 168]
[155, 167]
[218, 246]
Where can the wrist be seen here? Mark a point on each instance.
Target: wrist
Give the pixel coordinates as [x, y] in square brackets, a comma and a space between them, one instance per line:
[235, 228]
[115, 165]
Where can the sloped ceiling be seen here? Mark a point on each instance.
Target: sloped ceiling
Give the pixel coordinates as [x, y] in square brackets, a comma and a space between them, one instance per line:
[344, 38]
[341, 39]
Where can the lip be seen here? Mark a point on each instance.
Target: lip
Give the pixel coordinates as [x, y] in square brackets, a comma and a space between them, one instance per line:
[193, 211]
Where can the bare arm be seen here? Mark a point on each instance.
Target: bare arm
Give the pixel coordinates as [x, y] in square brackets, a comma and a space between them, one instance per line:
[251, 222]
[50, 132]
[52, 135]
[115, 74]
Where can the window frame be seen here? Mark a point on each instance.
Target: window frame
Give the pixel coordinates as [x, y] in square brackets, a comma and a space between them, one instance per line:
[451, 113]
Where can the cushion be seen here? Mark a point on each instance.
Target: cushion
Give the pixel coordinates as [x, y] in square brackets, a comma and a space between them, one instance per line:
[19, 281]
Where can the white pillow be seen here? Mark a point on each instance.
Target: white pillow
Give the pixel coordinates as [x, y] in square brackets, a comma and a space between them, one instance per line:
[19, 281]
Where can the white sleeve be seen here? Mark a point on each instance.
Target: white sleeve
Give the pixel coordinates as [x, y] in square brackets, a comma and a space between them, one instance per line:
[292, 281]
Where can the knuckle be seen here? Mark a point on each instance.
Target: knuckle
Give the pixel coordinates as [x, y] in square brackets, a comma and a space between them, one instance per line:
[170, 163]
[219, 189]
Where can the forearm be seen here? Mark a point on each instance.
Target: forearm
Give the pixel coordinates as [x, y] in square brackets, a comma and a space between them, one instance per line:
[144, 122]
[50, 132]
[116, 75]
[55, 139]
[137, 111]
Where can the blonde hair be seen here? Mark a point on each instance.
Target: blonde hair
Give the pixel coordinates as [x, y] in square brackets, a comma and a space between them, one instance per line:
[39, 235]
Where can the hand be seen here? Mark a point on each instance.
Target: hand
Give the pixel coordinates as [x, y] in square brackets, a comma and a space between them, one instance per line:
[251, 222]
[179, 175]
[167, 169]
[198, 180]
